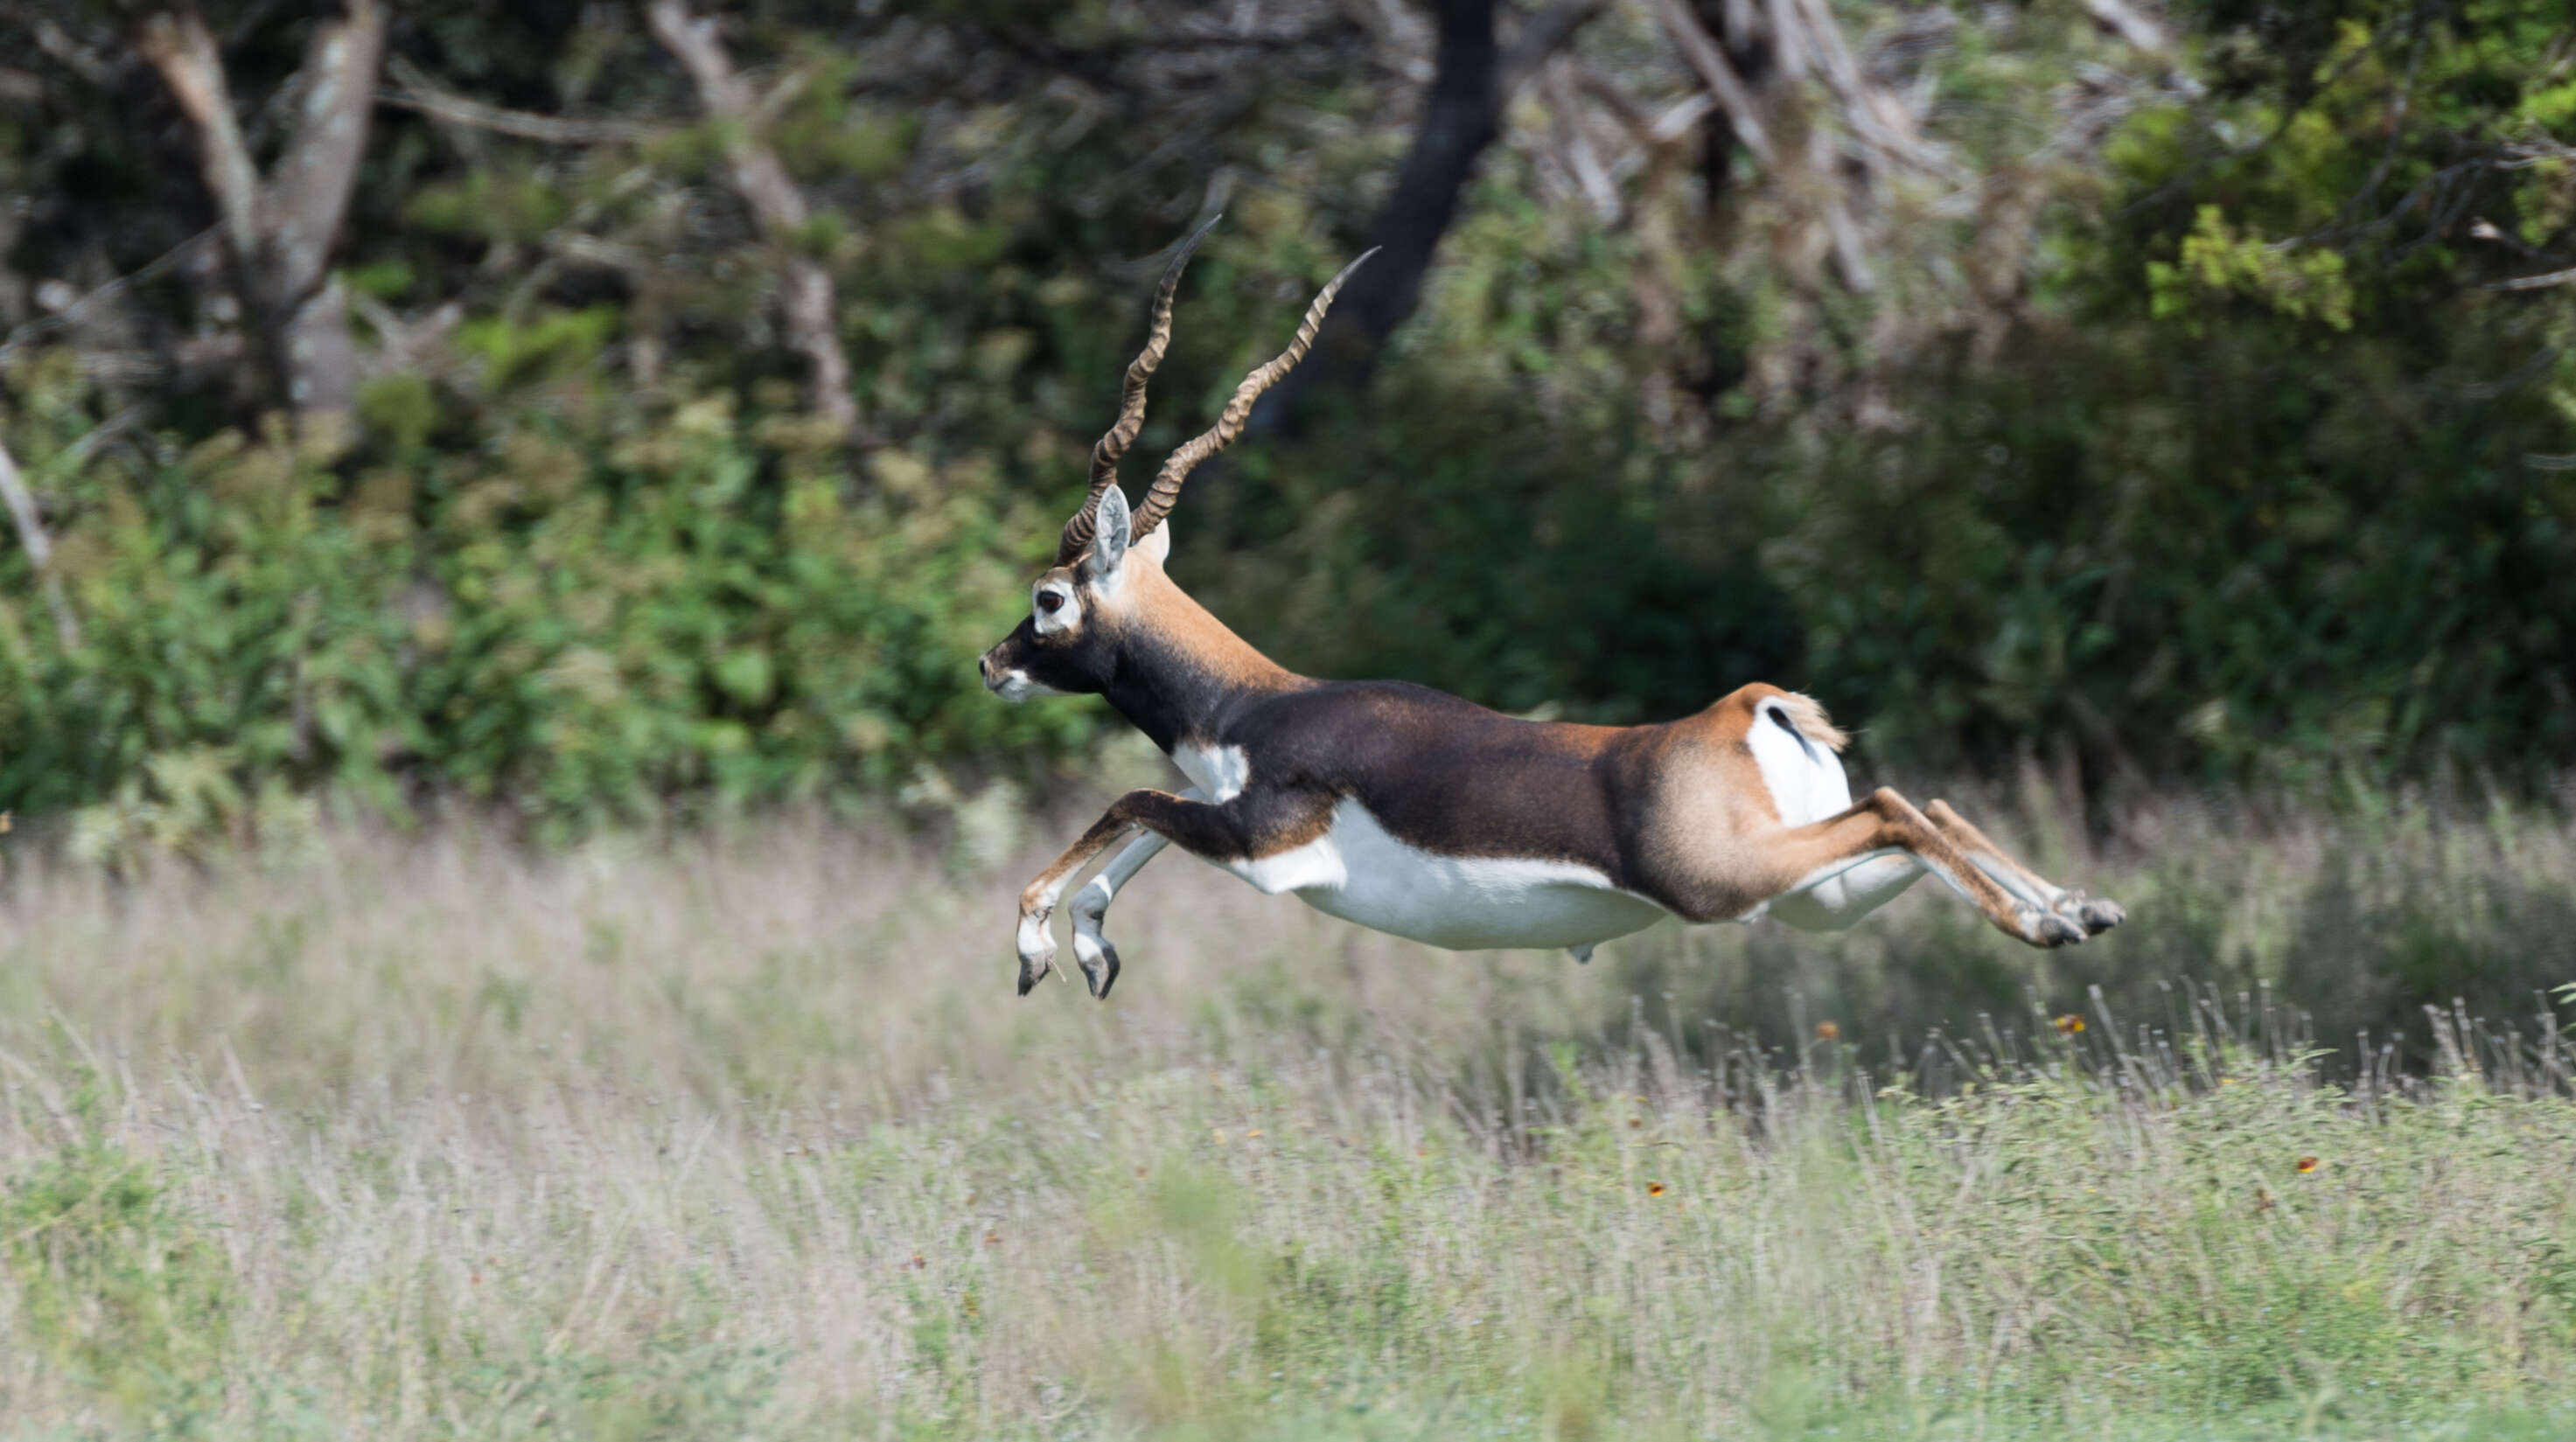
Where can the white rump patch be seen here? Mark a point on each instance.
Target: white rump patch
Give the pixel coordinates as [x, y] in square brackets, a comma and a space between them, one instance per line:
[1804, 777]
[1807, 785]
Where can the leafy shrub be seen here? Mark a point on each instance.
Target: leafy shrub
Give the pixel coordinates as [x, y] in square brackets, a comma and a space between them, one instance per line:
[585, 616]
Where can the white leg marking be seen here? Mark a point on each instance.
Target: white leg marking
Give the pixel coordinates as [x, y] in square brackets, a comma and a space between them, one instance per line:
[1031, 938]
[2013, 881]
[1219, 771]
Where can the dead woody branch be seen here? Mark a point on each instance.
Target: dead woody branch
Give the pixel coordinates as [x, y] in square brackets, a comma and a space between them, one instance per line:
[40, 549]
[413, 90]
[808, 300]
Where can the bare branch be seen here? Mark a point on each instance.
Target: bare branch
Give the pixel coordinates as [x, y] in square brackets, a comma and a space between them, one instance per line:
[807, 296]
[40, 549]
[413, 90]
[757, 174]
[1678, 120]
[1879, 120]
[59, 43]
[1649, 130]
[72, 314]
[1580, 159]
[2536, 282]
[179, 45]
[2139, 31]
[1704, 56]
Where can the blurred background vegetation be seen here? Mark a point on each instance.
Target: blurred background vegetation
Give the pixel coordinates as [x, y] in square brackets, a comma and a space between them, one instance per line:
[617, 427]
[601, 413]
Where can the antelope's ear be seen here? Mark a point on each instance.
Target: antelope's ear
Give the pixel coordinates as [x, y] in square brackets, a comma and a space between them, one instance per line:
[1109, 534]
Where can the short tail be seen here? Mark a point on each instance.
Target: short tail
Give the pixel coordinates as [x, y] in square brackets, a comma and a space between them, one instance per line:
[1806, 716]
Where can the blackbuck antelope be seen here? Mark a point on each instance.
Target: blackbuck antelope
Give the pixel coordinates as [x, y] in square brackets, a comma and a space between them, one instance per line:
[1414, 812]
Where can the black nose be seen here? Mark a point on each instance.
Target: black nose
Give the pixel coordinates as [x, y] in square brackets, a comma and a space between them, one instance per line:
[984, 669]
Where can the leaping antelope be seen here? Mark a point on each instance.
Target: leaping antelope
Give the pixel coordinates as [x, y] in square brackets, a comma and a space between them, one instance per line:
[1414, 812]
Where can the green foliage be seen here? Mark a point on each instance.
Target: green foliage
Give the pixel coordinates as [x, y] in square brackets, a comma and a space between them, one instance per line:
[550, 343]
[2216, 261]
[2254, 499]
[2253, 475]
[592, 613]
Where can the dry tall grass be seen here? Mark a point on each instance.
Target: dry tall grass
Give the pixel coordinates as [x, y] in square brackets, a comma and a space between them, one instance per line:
[746, 1136]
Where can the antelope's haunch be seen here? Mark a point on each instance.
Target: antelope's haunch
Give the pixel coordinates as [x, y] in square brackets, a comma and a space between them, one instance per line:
[1411, 811]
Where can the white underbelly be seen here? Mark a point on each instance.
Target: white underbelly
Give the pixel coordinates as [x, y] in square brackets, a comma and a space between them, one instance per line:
[1360, 873]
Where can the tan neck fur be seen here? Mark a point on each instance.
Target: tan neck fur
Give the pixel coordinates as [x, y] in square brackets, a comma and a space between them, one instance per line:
[1156, 603]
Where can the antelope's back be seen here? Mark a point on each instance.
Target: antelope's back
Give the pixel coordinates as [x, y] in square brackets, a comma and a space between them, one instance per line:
[1444, 774]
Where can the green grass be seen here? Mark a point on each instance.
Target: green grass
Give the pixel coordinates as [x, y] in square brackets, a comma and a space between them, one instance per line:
[747, 1137]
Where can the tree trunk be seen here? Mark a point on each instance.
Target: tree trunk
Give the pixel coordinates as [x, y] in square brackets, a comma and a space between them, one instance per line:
[1472, 77]
[279, 235]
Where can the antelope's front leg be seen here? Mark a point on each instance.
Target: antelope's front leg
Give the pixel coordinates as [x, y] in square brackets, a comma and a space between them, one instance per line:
[1099, 959]
[1204, 829]
[1034, 941]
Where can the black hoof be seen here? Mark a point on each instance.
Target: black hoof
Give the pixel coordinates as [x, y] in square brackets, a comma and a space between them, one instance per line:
[2100, 914]
[1102, 974]
[2053, 930]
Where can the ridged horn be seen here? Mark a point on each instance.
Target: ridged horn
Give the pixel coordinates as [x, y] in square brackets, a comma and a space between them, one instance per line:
[1229, 423]
[1131, 402]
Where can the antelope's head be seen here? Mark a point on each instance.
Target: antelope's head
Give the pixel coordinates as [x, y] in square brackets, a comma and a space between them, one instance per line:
[1104, 592]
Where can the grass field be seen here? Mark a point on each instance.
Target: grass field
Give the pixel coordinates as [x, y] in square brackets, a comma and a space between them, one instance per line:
[745, 1136]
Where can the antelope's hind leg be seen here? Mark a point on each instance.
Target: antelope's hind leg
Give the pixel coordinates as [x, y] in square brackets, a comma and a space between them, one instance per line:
[1878, 830]
[2096, 914]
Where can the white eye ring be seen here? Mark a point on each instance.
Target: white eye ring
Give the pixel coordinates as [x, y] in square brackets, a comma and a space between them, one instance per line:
[1063, 616]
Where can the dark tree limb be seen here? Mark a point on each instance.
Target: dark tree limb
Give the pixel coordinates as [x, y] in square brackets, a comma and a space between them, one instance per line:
[807, 298]
[1472, 77]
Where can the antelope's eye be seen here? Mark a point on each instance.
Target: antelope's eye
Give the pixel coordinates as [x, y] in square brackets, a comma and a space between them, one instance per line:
[1050, 600]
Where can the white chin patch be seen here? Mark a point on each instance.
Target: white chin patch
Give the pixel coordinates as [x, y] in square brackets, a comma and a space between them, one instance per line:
[1016, 686]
